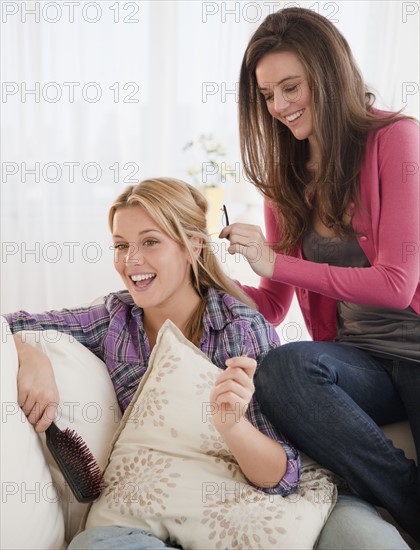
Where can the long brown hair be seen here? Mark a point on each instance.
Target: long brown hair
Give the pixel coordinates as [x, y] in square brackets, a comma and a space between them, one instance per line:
[180, 211]
[273, 159]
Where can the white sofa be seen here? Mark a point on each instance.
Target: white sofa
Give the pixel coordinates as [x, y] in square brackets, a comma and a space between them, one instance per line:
[37, 509]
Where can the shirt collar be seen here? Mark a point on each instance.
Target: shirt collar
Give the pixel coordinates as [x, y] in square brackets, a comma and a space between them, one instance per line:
[216, 315]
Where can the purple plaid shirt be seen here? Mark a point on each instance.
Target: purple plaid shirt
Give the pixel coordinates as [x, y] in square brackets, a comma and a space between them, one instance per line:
[113, 330]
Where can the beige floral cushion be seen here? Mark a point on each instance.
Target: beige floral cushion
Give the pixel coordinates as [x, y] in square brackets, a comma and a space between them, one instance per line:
[171, 473]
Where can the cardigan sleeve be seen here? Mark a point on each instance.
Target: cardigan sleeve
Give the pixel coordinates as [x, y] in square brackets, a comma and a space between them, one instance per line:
[390, 210]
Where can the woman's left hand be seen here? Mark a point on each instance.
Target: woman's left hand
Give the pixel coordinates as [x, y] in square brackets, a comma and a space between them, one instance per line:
[249, 240]
[233, 391]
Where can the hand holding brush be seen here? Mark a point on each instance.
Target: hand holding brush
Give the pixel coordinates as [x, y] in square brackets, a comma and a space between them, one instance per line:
[39, 397]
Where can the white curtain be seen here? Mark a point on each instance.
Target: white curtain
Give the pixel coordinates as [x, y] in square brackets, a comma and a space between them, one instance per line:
[96, 95]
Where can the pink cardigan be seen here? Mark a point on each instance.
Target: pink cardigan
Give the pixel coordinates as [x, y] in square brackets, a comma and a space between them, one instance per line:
[389, 222]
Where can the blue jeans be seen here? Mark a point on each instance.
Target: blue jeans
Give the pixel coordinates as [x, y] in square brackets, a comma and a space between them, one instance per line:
[353, 524]
[113, 537]
[329, 399]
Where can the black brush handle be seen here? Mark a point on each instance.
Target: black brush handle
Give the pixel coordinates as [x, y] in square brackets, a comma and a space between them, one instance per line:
[52, 432]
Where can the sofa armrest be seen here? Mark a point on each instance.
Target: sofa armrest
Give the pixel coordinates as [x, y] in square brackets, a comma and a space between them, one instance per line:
[31, 516]
[88, 405]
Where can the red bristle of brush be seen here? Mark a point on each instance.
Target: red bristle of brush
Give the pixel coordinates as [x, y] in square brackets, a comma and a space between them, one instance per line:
[81, 465]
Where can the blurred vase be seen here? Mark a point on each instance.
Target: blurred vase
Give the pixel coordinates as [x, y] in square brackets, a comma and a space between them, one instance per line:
[215, 197]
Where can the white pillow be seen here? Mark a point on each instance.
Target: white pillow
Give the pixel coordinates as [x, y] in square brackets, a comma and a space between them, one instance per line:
[171, 473]
[31, 517]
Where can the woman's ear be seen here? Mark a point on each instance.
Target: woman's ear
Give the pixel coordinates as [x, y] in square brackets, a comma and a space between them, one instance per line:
[196, 246]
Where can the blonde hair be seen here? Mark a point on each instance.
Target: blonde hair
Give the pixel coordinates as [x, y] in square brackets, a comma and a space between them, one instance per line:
[180, 211]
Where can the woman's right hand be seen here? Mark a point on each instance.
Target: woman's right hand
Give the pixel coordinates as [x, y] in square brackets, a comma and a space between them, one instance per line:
[249, 240]
[38, 394]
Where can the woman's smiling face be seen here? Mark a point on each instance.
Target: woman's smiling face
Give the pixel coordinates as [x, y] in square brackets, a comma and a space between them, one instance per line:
[283, 82]
[155, 269]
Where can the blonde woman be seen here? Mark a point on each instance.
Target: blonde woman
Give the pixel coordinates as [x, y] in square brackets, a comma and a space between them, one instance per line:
[163, 256]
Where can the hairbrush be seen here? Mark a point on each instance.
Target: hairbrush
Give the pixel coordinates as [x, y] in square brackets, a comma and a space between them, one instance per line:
[76, 462]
